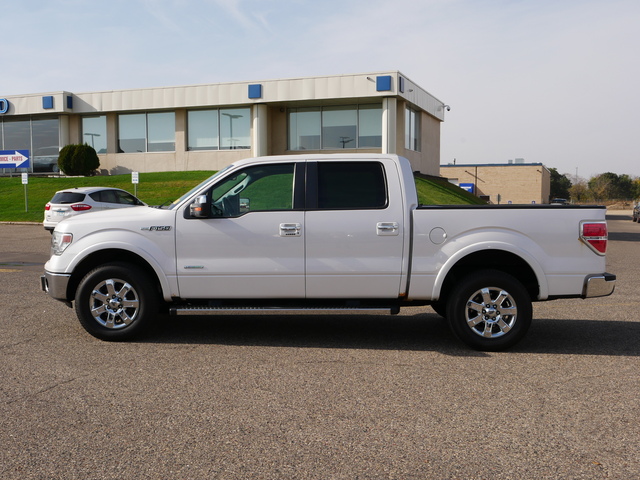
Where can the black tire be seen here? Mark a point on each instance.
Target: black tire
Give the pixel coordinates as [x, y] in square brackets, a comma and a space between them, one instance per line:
[116, 301]
[440, 307]
[489, 310]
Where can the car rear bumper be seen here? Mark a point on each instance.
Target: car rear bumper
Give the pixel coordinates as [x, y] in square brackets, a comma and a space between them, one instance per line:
[599, 285]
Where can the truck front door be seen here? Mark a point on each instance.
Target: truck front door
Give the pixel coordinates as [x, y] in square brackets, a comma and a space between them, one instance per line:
[250, 243]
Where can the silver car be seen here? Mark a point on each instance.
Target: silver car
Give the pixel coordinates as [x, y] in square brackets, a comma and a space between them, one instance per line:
[636, 212]
[74, 201]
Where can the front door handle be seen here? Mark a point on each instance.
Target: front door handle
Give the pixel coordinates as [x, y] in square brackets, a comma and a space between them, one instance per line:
[388, 228]
[290, 229]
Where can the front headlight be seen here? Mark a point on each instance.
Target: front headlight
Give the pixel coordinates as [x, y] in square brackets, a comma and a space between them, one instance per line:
[60, 241]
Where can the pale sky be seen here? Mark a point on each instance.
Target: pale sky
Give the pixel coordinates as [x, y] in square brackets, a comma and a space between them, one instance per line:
[550, 81]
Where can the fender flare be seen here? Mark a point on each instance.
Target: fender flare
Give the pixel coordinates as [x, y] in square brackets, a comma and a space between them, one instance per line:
[453, 260]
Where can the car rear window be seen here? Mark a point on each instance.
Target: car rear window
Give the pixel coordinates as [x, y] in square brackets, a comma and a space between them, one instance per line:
[67, 197]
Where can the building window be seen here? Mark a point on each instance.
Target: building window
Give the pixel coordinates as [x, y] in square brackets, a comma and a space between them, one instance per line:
[412, 130]
[219, 129]
[369, 126]
[235, 128]
[39, 136]
[94, 132]
[203, 130]
[339, 127]
[146, 132]
[335, 127]
[305, 125]
[161, 132]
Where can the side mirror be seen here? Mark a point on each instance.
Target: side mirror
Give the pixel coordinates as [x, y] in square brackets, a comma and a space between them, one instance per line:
[200, 207]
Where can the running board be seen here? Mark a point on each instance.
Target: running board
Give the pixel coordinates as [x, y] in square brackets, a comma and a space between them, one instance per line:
[204, 310]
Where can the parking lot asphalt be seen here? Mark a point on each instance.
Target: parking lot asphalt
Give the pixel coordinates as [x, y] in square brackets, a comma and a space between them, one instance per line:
[333, 397]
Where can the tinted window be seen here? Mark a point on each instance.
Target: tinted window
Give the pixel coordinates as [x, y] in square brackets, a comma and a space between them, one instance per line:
[125, 198]
[353, 185]
[67, 197]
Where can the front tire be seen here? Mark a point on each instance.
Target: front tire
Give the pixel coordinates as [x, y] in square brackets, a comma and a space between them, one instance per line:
[116, 302]
[489, 310]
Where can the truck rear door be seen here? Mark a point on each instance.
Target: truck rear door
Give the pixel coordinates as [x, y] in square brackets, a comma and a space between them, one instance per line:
[354, 230]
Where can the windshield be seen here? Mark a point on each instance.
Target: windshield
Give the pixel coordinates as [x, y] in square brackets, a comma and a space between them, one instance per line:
[175, 203]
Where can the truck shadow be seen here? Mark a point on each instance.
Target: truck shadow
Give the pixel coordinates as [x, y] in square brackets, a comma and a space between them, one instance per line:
[421, 332]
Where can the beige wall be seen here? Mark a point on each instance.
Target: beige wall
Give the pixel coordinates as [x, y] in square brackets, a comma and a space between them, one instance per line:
[518, 184]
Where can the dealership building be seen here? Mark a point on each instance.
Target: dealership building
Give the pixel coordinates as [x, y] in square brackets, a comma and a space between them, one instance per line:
[206, 127]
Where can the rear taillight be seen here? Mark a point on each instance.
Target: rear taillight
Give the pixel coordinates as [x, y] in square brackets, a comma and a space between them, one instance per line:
[47, 207]
[80, 207]
[595, 235]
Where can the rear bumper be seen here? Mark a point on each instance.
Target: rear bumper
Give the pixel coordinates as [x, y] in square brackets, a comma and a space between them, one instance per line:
[599, 285]
[55, 284]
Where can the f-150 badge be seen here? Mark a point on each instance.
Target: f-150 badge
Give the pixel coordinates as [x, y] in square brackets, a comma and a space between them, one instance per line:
[158, 228]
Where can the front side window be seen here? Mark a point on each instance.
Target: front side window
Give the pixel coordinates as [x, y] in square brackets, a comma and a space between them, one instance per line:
[94, 132]
[257, 188]
[351, 185]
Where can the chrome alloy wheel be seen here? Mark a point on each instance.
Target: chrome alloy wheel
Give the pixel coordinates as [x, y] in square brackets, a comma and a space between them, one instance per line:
[114, 303]
[491, 312]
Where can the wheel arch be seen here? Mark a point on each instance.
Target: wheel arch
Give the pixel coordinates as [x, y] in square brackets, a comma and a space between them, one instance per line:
[496, 259]
[97, 258]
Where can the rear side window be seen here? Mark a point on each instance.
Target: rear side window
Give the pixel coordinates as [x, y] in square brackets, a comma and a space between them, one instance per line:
[351, 185]
[67, 197]
[114, 196]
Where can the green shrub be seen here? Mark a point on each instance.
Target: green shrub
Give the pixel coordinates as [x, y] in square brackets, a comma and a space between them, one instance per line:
[78, 159]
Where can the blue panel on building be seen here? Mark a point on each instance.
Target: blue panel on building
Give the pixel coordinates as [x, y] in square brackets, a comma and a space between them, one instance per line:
[69, 102]
[255, 91]
[469, 187]
[401, 84]
[383, 83]
[47, 102]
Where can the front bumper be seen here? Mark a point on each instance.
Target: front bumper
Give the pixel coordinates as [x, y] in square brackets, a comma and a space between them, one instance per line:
[599, 285]
[55, 284]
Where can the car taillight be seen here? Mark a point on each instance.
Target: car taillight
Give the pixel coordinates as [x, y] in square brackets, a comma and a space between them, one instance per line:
[80, 207]
[595, 235]
[47, 207]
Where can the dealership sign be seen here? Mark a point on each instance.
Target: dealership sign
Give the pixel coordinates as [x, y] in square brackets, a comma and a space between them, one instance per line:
[14, 158]
[4, 105]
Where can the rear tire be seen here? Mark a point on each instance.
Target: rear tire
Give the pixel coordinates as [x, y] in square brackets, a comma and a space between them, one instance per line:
[116, 302]
[489, 310]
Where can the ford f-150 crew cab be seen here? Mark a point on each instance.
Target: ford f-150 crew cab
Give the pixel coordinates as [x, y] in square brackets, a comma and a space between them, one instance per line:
[326, 233]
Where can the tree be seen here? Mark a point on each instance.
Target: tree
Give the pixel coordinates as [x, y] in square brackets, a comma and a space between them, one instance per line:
[580, 192]
[80, 159]
[560, 184]
[610, 186]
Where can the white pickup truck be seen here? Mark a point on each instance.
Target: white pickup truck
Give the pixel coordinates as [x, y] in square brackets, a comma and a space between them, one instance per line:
[326, 234]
